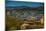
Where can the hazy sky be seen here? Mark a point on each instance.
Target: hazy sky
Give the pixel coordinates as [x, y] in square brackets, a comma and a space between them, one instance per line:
[19, 3]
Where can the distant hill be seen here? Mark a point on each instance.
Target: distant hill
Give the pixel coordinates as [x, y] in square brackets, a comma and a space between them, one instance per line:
[25, 8]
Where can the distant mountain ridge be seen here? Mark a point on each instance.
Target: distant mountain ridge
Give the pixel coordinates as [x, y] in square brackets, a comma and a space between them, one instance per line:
[19, 7]
[26, 8]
